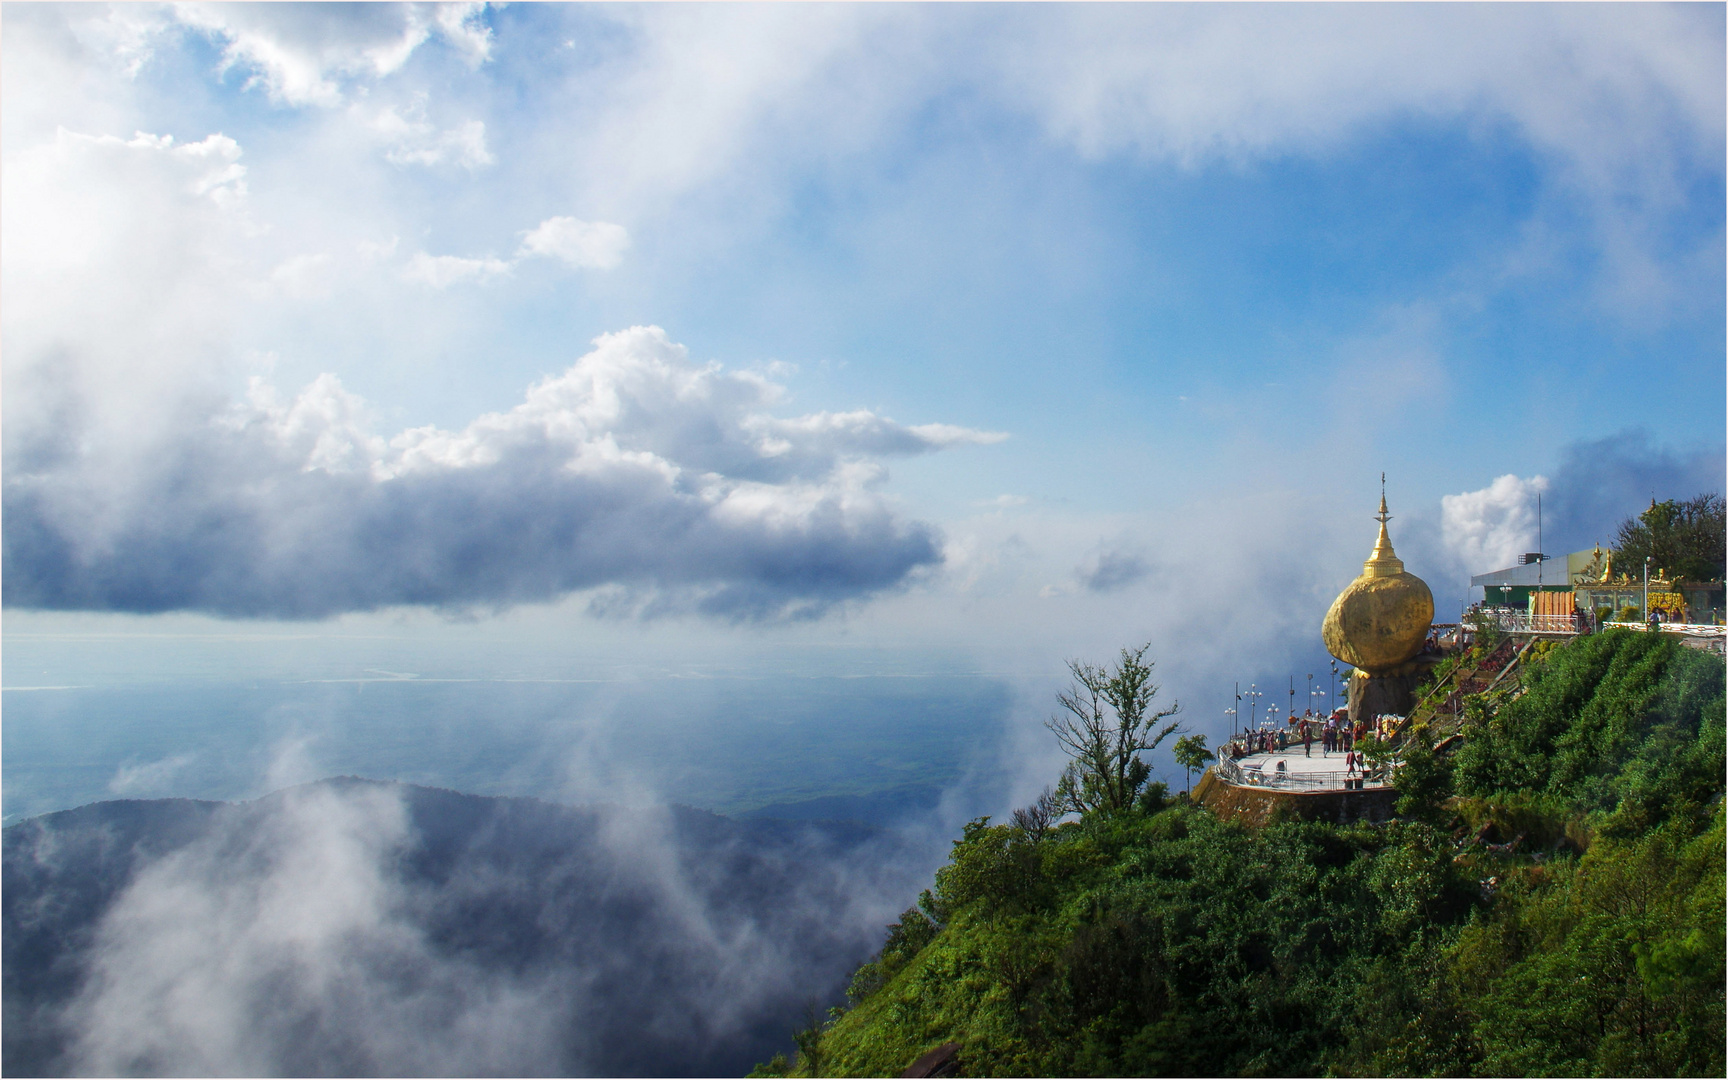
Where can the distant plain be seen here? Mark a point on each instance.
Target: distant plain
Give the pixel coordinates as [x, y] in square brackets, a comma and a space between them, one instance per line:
[871, 748]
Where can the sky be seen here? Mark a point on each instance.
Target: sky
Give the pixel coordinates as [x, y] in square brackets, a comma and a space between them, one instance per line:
[838, 339]
[606, 368]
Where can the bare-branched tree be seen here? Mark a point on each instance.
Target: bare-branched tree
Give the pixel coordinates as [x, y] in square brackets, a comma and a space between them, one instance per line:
[1035, 820]
[1107, 723]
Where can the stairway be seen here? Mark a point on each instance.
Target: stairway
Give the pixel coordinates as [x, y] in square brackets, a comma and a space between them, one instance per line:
[1440, 708]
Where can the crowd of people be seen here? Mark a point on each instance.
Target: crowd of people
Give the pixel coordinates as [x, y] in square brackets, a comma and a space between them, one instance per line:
[1334, 733]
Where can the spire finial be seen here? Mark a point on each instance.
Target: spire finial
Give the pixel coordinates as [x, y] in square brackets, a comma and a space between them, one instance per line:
[1383, 562]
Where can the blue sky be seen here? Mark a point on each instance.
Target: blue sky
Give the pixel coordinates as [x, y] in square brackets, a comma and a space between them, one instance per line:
[987, 336]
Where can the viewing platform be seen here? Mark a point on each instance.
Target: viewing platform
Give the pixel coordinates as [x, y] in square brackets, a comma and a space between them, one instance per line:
[1291, 769]
[1318, 787]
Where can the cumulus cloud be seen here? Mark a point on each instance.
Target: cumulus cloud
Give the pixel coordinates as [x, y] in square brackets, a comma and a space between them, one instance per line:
[127, 35]
[1598, 484]
[133, 481]
[1489, 529]
[594, 245]
[597, 244]
[124, 257]
[304, 58]
[636, 469]
[411, 138]
[443, 271]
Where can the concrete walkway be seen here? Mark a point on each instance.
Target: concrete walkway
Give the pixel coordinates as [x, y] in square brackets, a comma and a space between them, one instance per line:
[1316, 771]
[1295, 762]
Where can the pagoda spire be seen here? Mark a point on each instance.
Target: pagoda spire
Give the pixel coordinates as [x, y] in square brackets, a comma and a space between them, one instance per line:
[1384, 562]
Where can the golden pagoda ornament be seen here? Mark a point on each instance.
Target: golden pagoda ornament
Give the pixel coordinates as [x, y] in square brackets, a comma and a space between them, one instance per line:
[1381, 620]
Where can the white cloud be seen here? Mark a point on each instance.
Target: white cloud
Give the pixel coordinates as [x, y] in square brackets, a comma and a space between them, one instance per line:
[596, 244]
[443, 271]
[1620, 104]
[356, 928]
[124, 262]
[208, 962]
[412, 139]
[325, 427]
[634, 469]
[125, 34]
[304, 276]
[150, 777]
[301, 57]
[463, 26]
[1491, 528]
[133, 263]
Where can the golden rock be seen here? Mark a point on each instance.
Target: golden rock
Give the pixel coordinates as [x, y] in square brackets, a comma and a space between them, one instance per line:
[1382, 618]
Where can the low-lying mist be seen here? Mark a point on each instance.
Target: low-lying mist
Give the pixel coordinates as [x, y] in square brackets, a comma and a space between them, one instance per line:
[351, 927]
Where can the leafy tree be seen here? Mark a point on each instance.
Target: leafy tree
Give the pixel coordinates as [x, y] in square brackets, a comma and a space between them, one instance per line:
[1423, 780]
[1110, 722]
[1191, 753]
[1687, 539]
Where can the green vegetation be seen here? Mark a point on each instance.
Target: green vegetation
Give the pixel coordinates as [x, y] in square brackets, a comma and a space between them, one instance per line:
[1107, 722]
[1685, 538]
[1550, 902]
[1191, 754]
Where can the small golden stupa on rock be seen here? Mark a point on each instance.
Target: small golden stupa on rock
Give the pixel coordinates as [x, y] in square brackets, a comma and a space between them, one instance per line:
[1378, 625]
[1381, 620]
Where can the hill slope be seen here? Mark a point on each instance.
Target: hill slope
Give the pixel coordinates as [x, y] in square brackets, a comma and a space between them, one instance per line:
[1550, 903]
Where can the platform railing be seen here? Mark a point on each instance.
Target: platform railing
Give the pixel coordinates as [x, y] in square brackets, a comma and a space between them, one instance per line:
[1226, 768]
[1684, 629]
[1230, 770]
[1518, 622]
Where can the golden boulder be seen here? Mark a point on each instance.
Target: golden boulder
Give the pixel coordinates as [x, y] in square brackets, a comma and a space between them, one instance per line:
[1381, 619]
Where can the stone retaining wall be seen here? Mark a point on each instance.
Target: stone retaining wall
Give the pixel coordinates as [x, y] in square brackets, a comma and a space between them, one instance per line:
[1257, 806]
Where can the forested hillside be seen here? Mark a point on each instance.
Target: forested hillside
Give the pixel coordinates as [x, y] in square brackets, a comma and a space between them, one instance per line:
[1549, 902]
